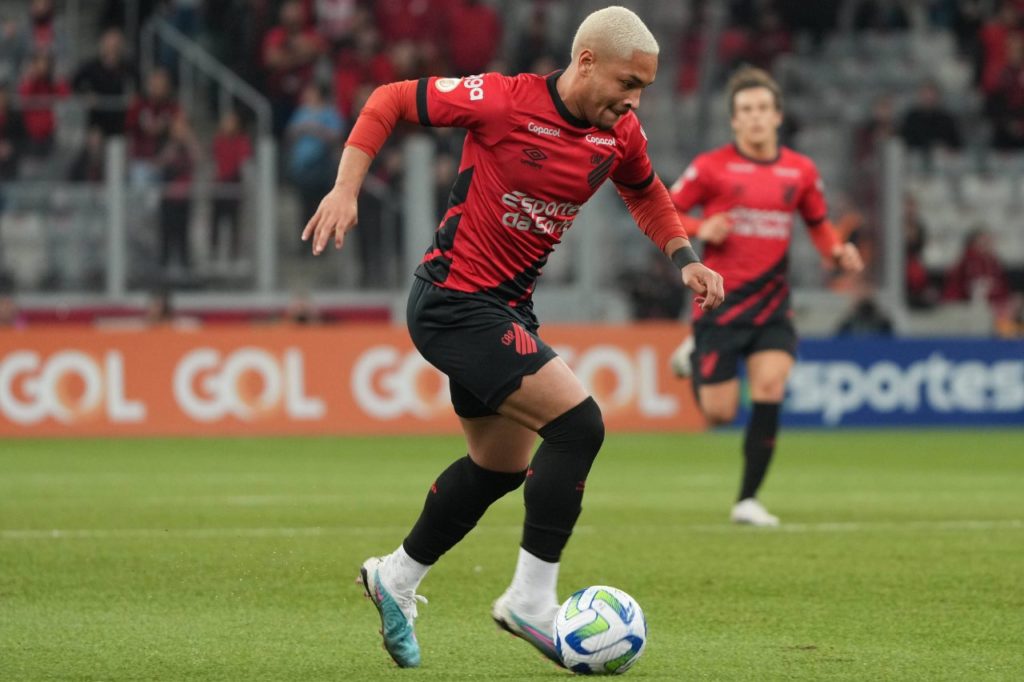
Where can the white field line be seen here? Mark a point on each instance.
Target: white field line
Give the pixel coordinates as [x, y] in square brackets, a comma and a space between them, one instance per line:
[314, 531]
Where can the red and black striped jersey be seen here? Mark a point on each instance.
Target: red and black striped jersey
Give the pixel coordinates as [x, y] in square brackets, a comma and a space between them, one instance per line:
[760, 197]
[528, 165]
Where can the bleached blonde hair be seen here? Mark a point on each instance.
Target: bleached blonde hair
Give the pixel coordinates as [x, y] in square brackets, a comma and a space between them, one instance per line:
[615, 30]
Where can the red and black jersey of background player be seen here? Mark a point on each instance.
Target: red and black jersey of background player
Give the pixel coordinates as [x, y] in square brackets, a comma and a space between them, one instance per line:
[528, 165]
[761, 198]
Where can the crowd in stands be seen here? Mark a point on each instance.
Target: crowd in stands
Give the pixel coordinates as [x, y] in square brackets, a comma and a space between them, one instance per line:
[318, 60]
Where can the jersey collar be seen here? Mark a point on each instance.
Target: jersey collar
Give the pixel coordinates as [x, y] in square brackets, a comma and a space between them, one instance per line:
[762, 162]
[563, 110]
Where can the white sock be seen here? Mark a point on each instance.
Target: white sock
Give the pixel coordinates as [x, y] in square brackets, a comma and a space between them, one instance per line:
[402, 572]
[534, 581]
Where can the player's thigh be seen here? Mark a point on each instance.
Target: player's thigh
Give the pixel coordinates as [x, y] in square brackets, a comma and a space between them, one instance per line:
[719, 401]
[771, 356]
[498, 443]
[768, 371]
[544, 395]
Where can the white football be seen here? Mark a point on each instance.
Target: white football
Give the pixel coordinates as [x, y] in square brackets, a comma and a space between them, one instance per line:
[600, 630]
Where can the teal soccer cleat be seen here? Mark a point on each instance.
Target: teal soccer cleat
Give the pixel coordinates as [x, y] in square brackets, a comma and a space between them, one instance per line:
[397, 613]
[537, 630]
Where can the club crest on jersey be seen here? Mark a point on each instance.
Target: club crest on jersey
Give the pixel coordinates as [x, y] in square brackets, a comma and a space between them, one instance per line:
[447, 84]
[788, 194]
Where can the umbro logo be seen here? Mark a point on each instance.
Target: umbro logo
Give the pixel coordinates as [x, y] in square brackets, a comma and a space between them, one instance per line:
[533, 157]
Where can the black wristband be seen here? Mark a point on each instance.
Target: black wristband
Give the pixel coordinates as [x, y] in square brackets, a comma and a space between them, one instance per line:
[683, 256]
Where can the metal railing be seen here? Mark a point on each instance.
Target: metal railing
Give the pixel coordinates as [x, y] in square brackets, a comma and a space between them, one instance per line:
[193, 61]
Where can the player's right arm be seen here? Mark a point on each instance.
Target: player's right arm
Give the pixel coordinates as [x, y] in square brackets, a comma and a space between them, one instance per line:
[693, 189]
[477, 103]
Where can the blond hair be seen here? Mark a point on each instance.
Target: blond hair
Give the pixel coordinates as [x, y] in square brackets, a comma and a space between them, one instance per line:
[752, 77]
[615, 30]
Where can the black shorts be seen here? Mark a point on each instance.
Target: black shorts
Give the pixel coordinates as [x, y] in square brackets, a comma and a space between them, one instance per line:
[484, 347]
[718, 348]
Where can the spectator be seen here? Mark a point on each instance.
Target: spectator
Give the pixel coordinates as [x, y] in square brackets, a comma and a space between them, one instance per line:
[313, 137]
[10, 316]
[993, 37]
[231, 149]
[927, 124]
[410, 20]
[879, 127]
[148, 124]
[42, 32]
[655, 291]
[773, 39]
[533, 43]
[978, 273]
[159, 308]
[338, 20]
[12, 137]
[475, 31]
[364, 63]
[300, 310]
[1005, 105]
[39, 90]
[1010, 322]
[290, 51]
[865, 319]
[10, 50]
[920, 292]
[90, 164]
[108, 79]
[881, 15]
[176, 164]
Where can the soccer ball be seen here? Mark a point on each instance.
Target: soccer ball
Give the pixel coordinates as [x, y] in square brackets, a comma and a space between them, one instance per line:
[600, 630]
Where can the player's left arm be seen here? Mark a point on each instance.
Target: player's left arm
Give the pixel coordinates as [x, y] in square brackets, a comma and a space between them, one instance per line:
[823, 233]
[654, 213]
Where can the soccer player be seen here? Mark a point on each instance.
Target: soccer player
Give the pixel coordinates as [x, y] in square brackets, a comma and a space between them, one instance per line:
[749, 190]
[536, 149]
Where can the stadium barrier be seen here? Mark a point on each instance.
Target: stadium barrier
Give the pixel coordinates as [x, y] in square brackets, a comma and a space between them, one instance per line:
[903, 382]
[346, 379]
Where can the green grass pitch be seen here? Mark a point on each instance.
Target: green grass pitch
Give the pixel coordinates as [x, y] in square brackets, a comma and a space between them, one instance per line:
[901, 557]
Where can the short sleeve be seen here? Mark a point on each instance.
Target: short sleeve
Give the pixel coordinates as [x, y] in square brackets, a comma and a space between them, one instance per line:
[478, 103]
[693, 188]
[813, 207]
[635, 171]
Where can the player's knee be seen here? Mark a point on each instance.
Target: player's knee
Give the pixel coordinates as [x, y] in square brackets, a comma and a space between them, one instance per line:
[719, 415]
[769, 390]
[582, 428]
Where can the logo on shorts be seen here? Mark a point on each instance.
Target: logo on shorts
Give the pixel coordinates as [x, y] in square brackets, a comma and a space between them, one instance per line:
[707, 364]
[525, 344]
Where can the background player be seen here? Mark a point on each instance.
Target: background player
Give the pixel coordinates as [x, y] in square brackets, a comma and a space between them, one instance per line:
[749, 190]
[536, 149]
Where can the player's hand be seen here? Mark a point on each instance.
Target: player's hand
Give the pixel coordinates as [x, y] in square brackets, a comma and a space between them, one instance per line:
[706, 283]
[715, 229]
[848, 258]
[337, 214]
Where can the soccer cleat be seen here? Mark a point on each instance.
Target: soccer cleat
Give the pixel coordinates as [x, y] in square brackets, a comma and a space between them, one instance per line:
[752, 513]
[537, 630]
[680, 359]
[397, 613]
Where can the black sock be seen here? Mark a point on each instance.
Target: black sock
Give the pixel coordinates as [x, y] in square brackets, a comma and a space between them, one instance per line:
[456, 501]
[556, 478]
[758, 446]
